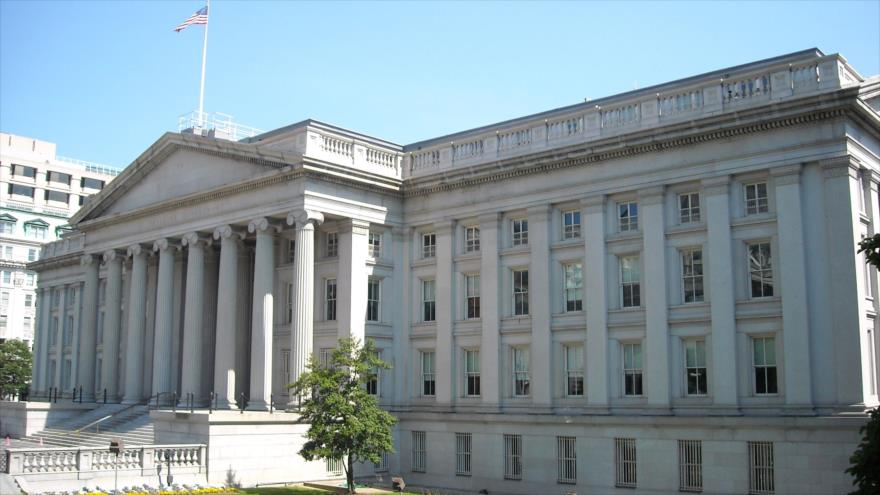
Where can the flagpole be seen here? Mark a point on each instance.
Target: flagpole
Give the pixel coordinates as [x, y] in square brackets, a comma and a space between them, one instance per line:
[204, 59]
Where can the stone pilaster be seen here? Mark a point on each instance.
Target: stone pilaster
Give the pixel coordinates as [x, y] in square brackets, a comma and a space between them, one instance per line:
[134, 356]
[227, 309]
[261, 332]
[596, 301]
[490, 342]
[539, 307]
[112, 324]
[444, 353]
[41, 341]
[88, 332]
[191, 372]
[351, 281]
[654, 297]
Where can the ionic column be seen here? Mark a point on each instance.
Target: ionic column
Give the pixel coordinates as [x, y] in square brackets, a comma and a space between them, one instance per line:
[596, 301]
[227, 316]
[40, 337]
[164, 318]
[655, 298]
[303, 292]
[112, 324]
[137, 298]
[351, 281]
[45, 342]
[261, 321]
[88, 330]
[191, 373]
[58, 380]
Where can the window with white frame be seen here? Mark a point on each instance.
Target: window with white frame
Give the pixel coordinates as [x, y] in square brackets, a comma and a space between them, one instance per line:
[520, 292]
[764, 363]
[867, 268]
[761, 479]
[471, 239]
[372, 384]
[4, 302]
[463, 444]
[690, 466]
[519, 229]
[285, 364]
[7, 227]
[3, 322]
[20, 191]
[333, 466]
[512, 457]
[872, 364]
[27, 324]
[290, 252]
[571, 224]
[692, 275]
[429, 245]
[419, 452]
[630, 282]
[32, 254]
[574, 370]
[373, 299]
[374, 244]
[625, 465]
[574, 287]
[8, 252]
[325, 355]
[760, 269]
[332, 244]
[521, 382]
[330, 299]
[632, 369]
[382, 465]
[472, 372]
[472, 289]
[30, 279]
[24, 171]
[566, 460]
[628, 216]
[689, 207]
[53, 334]
[695, 367]
[28, 300]
[7, 277]
[427, 366]
[288, 304]
[429, 305]
[756, 198]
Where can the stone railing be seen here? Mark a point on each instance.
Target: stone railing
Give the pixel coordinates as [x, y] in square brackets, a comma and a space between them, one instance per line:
[714, 94]
[69, 244]
[60, 460]
[352, 152]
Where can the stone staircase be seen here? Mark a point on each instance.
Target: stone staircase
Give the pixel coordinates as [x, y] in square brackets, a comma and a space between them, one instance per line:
[130, 423]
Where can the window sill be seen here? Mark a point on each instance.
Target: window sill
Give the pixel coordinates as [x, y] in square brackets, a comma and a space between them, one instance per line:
[564, 243]
[755, 219]
[686, 228]
[624, 236]
[524, 249]
[472, 256]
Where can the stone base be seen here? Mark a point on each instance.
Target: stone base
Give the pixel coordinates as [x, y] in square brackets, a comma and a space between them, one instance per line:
[22, 419]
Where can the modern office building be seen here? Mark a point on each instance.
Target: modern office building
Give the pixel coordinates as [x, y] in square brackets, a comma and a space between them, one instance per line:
[39, 192]
[658, 290]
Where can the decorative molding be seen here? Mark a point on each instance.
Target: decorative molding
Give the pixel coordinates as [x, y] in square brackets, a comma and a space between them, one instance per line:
[195, 238]
[538, 210]
[652, 195]
[594, 204]
[263, 224]
[840, 166]
[355, 226]
[112, 255]
[301, 218]
[490, 220]
[135, 250]
[444, 227]
[787, 174]
[227, 231]
[713, 186]
[88, 259]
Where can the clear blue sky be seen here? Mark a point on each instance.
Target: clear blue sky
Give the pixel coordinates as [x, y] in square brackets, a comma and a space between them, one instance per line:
[105, 79]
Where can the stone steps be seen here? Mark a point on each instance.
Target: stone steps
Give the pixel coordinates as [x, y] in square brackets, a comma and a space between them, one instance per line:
[131, 424]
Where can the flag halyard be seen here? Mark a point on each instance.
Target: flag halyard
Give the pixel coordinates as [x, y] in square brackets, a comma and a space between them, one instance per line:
[200, 17]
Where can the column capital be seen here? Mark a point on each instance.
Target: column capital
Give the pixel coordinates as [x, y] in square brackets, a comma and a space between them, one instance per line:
[227, 231]
[112, 255]
[651, 195]
[354, 226]
[840, 166]
[89, 259]
[542, 209]
[491, 218]
[135, 250]
[263, 224]
[714, 186]
[444, 226]
[594, 204]
[299, 218]
[195, 239]
[165, 243]
[788, 174]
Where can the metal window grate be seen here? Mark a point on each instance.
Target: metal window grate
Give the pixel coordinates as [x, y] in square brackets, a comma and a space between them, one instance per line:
[334, 467]
[690, 466]
[513, 457]
[418, 452]
[566, 460]
[463, 454]
[761, 468]
[625, 462]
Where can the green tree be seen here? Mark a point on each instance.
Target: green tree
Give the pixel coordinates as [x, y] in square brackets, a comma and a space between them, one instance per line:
[15, 367]
[345, 421]
[871, 247]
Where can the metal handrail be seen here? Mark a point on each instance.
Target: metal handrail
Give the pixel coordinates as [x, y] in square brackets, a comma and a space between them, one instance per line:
[105, 418]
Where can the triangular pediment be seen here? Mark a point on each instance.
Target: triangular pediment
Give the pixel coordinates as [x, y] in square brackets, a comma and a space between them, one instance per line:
[178, 166]
[6, 217]
[37, 223]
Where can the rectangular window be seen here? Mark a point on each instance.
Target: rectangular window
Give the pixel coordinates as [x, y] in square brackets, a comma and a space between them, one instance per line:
[24, 171]
[373, 299]
[428, 383]
[374, 245]
[472, 239]
[571, 224]
[4, 302]
[57, 196]
[28, 300]
[519, 232]
[330, 299]
[632, 369]
[332, 244]
[760, 270]
[27, 324]
[472, 283]
[20, 190]
[7, 276]
[520, 292]
[692, 275]
[32, 254]
[574, 370]
[372, 384]
[7, 227]
[764, 362]
[35, 231]
[419, 452]
[690, 466]
[872, 364]
[290, 251]
[695, 367]
[30, 279]
[382, 465]
[58, 178]
[3, 322]
[429, 245]
[628, 216]
[625, 462]
[513, 457]
[689, 207]
[761, 468]
[53, 334]
[521, 380]
[566, 460]
[630, 282]
[756, 198]
[472, 373]
[90, 183]
[8, 252]
[288, 305]
[574, 287]
[334, 466]
[325, 355]
[463, 442]
[429, 304]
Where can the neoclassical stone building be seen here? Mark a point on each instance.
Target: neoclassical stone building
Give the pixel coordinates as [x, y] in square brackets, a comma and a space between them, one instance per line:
[656, 290]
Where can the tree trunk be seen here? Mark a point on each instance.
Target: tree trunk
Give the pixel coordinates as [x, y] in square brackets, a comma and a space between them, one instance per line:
[349, 474]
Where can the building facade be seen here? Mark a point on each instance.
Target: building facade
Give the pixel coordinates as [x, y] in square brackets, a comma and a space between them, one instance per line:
[39, 192]
[658, 290]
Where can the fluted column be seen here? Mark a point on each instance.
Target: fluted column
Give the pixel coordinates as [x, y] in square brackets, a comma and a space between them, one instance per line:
[137, 298]
[164, 318]
[227, 315]
[261, 321]
[88, 331]
[112, 324]
[303, 292]
[191, 374]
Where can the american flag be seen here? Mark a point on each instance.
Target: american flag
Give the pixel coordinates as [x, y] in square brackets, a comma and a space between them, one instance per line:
[200, 17]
